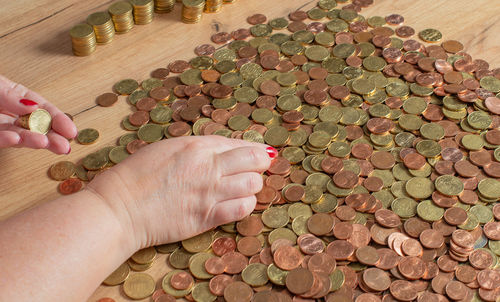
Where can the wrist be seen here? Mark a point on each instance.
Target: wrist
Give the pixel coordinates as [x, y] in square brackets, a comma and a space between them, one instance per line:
[117, 212]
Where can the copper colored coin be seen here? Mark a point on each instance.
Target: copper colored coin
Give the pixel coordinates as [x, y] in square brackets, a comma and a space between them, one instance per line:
[248, 226]
[178, 66]
[345, 213]
[235, 262]
[270, 87]
[340, 249]
[405, 31]
[257, 19]
[160, 93]
[388, 259]
[249, 246]
[488, 279]
[456, 290]
[146, 104]
[373, 184]
[367, 255]
[160, 73]
[279, 165]
[447, 264]
[287, 257]
[181, 280]
[403, 290]
[412, 268]
[412, 247]
[298, 176]
[70, 186]
[443, 200]
[139, 118]
[240, 34]
[165, 298]
[298, 15]
[465, 273]
[387, 218]
[376, 279]
[107, 99]
[310, 244]
[455, 216]
[362, 151]
[238, 291]
[331, 165]
[492, 230]
[204, 50]
[321, 263]
[219, 283]
[462, 238]
[492, 137]
[382, 160]
[339, 92]
[295, 26]
[414, 161]
[431, 239]
[496, 211]
[294, 193]
[179, 129]
[135, 145]
[266, 195]
[439, 282]
[414, 226]
[342, 230]
[214, 266]
[157, 293]
[221, 37]
[320, 224]
[345, 179]
[299, 281]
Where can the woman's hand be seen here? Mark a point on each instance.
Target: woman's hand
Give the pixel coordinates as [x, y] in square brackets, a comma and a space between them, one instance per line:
[177, 188]
[17, 100]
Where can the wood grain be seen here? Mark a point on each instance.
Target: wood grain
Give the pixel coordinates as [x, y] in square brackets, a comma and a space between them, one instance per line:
[35, 50]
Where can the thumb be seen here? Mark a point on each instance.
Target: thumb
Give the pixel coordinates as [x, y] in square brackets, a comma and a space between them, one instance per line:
[12, 98]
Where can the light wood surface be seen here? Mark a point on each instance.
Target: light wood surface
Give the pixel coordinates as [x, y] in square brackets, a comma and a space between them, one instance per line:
[35, 50]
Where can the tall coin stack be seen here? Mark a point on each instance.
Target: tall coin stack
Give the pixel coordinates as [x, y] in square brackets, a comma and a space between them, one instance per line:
[121, 13]
[83, 39]
[143, 11]
[103, 27]
[212, 6]
[164, 6]
[192, 10]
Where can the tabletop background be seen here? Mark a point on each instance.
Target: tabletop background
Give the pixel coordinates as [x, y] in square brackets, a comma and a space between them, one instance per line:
[35, 50]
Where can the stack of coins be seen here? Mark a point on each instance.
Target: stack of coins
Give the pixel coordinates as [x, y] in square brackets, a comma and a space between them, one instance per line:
[121, 13]
[103, 27]
[83, 39]
[143, 11]
[164, 6]
[212, 6]
[192, 10]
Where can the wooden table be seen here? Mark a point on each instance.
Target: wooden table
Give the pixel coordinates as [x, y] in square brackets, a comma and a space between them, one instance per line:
[35, 50]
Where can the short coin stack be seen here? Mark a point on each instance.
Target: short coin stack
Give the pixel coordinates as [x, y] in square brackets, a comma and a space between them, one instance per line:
[192, 10]
[143, 11]
[83, 39]
[386, 185]
[103, 27]
[121, 13]
[164, 6]
[212, 6]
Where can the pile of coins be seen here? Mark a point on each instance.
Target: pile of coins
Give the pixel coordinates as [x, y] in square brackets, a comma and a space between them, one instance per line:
[143, 11]
[192, 10]
[103, 27]
[212, 6]
[164, 6]
[386, 185]
[123, 14]
[83, 39]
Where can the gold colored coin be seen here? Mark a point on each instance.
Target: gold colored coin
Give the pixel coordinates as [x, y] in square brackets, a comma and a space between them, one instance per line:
[139, 286]
[87, 136]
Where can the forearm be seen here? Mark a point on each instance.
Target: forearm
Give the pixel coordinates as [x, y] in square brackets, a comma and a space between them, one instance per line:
[61, 250]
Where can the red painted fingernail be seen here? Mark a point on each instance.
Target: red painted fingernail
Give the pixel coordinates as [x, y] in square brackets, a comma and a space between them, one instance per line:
[272, 152]
[27, 102]
[69, 150]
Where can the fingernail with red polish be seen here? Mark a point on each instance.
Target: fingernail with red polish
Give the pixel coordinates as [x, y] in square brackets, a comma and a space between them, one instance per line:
[27, 102]
[272, 152]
